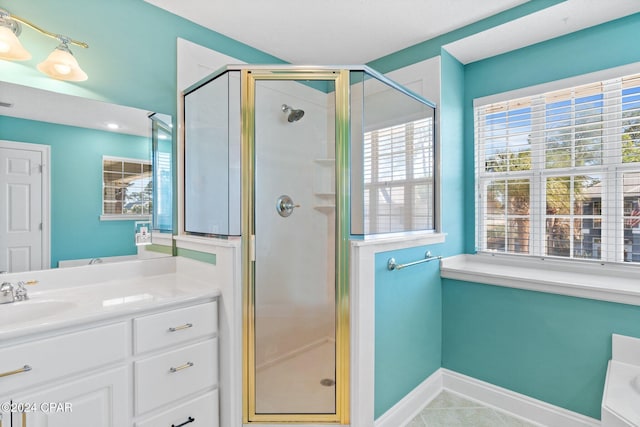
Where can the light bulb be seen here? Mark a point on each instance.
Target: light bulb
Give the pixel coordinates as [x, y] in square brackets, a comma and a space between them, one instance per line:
[63, 69]
[10, 47]
[62, 65]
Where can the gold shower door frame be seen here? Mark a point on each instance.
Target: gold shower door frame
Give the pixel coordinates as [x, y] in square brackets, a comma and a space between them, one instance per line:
[249, 77]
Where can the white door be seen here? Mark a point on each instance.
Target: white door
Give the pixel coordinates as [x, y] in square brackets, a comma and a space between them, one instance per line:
[22, 238]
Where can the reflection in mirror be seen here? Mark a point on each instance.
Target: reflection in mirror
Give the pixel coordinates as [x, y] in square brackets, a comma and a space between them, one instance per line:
[161, 152]
[52, 149]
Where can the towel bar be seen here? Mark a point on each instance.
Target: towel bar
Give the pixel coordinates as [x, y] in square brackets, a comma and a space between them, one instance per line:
[392, 265]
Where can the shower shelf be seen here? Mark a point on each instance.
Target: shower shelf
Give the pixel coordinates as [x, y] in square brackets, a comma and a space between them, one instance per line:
[326, 161]
[324, 207]
[330, 194]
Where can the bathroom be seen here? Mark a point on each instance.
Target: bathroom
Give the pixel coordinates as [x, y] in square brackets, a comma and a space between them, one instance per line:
[546, 345]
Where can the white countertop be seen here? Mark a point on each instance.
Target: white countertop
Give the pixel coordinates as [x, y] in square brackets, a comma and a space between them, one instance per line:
[54, 306]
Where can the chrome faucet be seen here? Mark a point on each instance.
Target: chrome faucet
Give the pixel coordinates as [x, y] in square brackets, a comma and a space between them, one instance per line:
[10, 293]
[7, 293]
[20, 292]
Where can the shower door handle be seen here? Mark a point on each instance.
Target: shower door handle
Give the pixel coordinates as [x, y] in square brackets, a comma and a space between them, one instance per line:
[285, 206]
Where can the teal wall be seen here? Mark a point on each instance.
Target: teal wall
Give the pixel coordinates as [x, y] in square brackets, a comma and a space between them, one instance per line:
[408, 326]
[431, 48]
[131, 59]
[597, 48]
[76, 186]
[421, 323]
[553, 348]
[550, 347]
[408, 308]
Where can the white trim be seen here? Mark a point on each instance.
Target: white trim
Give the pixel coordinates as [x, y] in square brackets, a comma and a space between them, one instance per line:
[410, 406]
[45, 150]
[362, 306]
[125, 159]
[125, 217]
[160, 238]
[392, 241]
[610, 73]
[65, 263]
[228, 261]
[514, 403]
[362, 319]
[208, 245]
[599, 281]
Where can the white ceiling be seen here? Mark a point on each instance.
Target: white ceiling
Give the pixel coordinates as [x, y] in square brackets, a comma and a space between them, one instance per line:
[331, 32]
[556, 21]
[359, 31]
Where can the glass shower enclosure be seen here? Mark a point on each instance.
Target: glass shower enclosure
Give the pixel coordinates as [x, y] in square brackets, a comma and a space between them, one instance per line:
[276, 155]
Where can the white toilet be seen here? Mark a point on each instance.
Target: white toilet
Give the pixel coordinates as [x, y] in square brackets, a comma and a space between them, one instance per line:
[621, 398]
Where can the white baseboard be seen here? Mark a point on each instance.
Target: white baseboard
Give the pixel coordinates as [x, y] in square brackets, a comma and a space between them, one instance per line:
[405, 410]
[516, 404]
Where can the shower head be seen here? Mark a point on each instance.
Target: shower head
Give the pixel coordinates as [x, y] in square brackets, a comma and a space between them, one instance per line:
[294, 115]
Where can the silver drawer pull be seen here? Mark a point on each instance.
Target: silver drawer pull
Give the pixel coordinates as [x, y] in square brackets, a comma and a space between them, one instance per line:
[189, 421]
[181, 367]
[25, 368]
[181, 327]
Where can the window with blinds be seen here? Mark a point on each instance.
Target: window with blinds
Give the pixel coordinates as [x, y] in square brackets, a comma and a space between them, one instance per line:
[398, 177]
[126, 187]
[558, 174]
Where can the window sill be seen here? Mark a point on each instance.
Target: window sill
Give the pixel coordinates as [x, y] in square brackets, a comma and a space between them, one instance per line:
[605, 282]
[393, 241]
[125, 217]
[209, 245]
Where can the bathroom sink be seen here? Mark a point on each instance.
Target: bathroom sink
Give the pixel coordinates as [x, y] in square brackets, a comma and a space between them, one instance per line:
[30, 310]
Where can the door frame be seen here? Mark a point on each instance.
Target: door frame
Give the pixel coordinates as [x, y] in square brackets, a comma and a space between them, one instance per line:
[45, 176]
[343, 225]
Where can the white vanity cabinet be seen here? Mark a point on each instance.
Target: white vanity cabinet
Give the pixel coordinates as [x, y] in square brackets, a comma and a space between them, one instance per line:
[74, 379]
[99, 400]
[176, 367]
[155, 367]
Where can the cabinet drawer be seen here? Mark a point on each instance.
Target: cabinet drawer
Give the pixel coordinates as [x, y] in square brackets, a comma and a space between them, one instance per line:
[169, 376]
[61, 356]
[175, 326]
[199, 412]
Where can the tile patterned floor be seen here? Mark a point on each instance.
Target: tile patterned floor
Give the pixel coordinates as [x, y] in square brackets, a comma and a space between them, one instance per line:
[451, 410]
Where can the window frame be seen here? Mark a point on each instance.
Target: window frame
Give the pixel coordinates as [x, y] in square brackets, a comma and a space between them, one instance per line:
[122, 216]
[611, 169]
[372, 184]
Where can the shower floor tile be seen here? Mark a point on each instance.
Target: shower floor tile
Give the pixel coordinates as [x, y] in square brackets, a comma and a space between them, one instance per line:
[451, 410]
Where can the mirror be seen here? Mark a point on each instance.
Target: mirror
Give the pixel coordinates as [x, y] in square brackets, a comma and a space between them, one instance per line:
[53, 152]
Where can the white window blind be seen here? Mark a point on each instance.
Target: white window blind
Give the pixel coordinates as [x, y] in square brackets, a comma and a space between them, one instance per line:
[398, 178]
[126, 186]
[558, 173]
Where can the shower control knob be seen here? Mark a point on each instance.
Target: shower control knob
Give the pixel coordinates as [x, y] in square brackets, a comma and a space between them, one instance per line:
[285, 206]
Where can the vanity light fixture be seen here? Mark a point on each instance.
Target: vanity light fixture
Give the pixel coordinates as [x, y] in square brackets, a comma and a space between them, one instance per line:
[61, 64]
